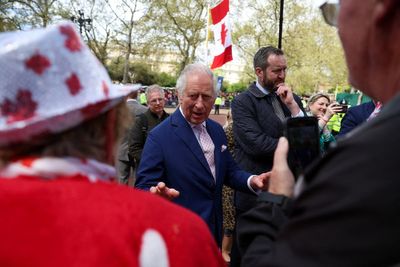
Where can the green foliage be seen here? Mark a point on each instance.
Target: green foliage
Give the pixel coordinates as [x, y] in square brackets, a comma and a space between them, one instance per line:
[237, 87]
[313, 50]
[177, 25]
[25, 14]
[116, 69]
[139, 72]
[166, 80]
[7, 21]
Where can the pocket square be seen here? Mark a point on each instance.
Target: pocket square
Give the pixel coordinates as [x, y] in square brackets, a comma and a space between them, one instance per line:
[223, 148]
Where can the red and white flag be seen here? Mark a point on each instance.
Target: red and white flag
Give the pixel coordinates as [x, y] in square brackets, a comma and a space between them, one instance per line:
[222, 34]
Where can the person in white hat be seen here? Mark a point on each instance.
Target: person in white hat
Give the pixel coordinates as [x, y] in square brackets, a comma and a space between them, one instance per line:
[60, 122]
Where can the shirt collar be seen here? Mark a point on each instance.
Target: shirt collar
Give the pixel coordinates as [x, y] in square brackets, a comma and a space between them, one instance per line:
[262, 89]
[191, 124]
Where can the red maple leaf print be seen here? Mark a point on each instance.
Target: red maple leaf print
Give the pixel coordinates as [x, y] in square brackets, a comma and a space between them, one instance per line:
[224, 32]
[72, 43]
[73, 83]
[105, 88]
[21, 109]
[38, 63]
[28, 162]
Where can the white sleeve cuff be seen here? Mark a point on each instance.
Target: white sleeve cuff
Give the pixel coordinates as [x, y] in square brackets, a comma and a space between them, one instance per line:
[300, 114]
[258, 191]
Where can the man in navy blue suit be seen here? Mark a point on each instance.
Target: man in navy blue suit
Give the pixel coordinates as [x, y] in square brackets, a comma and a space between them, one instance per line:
[176, 162]
[355, 116]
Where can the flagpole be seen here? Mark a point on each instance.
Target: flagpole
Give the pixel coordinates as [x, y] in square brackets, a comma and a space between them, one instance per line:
[280, 24]
[207, 34]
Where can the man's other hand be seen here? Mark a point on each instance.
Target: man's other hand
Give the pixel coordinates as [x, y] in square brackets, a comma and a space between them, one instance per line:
[162, 190]
[260, 182]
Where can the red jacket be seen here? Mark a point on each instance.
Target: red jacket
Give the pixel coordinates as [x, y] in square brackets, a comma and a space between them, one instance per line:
[73, 222]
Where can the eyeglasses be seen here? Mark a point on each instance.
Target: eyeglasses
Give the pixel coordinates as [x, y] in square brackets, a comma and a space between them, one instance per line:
[330, 11]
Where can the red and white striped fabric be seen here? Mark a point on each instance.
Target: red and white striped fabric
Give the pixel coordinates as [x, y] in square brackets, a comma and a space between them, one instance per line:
[377, 110]
[51, 168]
[222, 34]
[50, 81]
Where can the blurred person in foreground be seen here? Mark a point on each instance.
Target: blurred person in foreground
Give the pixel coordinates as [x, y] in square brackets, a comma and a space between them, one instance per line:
[320, 106]
[126, 165]
[228, 208]
[60, 122]
[345, 210]
[186, 157]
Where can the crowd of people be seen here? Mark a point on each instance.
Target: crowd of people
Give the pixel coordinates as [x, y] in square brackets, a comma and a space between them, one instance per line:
[224, 99]
[68, 134]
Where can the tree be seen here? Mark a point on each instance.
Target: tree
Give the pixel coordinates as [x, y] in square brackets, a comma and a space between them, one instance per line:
[128, 13]
[138, 72]
[7, 21]
[33, 13]
[178, 26]
[313, 50]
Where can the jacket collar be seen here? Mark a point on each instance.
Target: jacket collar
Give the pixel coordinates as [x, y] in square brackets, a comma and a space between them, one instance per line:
[183, 129]
[254, 90]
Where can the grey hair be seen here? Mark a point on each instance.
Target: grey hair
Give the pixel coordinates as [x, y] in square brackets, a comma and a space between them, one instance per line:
[261, 57]
[154, 88]
[191, 68]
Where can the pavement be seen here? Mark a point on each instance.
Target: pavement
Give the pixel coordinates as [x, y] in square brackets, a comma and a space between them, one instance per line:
[221, 118]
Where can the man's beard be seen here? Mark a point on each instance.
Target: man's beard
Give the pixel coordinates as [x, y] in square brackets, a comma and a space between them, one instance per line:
[270, 85]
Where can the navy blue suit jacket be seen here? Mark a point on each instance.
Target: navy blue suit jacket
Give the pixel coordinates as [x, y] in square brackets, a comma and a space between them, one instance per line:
[355, 116]
[173, 155]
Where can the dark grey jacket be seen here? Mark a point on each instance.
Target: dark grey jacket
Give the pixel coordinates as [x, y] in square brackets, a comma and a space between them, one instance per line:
[256, 131]
[138, 133]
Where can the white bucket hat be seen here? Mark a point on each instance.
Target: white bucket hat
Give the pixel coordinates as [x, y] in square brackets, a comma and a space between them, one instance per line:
[49, 82]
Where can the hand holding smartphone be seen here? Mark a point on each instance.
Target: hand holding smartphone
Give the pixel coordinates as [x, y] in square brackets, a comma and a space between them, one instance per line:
[340, 108]
[303, 136]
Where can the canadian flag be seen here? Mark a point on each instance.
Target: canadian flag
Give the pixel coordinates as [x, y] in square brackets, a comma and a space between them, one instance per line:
[222, 34]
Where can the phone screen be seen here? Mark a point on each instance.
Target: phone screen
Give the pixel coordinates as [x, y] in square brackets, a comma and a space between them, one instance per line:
[303, 136]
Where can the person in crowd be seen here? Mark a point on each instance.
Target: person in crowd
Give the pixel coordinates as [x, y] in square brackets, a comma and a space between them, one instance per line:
[304, 100]
[147, 121]
[320, 106]
[357, 115]
[258, 114]
[142, 97]
[335, 122]
[217, 104]
[59, 130]
[125, 164]
[186, 159]
[345, 210]
[227, 199]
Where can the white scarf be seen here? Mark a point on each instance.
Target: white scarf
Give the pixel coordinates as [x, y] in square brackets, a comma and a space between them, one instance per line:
[51, 168]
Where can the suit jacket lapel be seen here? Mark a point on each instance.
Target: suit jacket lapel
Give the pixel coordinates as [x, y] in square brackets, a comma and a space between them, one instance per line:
[183, 130]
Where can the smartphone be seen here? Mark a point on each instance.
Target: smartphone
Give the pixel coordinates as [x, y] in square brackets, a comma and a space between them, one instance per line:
[303, 136]
[344, 108]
